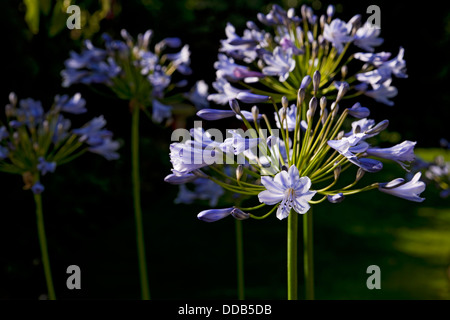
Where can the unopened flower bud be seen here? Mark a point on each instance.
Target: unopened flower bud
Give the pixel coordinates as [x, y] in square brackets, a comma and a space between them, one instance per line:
[323, 102]
[330, 11]
[239, 172]
[234, 105]
[336, 198]
[335, 111]
[316, 81]
[301, 96]
[337, 172]
[324, 115]
[379, 127]
[344, 71]
[359, 174]
[305, 82]
[340, 135]
[313, 104]
[284, 102]
[239, 214]
[322, 21]
[343, 88]
[255, 113]
[9, 110]
[12, 99]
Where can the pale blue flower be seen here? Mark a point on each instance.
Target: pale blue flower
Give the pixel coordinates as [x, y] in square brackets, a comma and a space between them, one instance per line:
[204, 189]
[383, 92]
[290, 116]
[358, 111]
[228, 69]
[337, 33]
[376, 59]
[4, 152]
[191, 155]
[37, 188]
[107, 148]
[280, 63]
[93, 133]
[213, 215]
[181, 60]
[74, 105]
[407, 190]
[160, 111]
[198, 95]
[288, 189]
[239, 144]
[44, 166]
[366, 37]
[226, 91]
[400, 153]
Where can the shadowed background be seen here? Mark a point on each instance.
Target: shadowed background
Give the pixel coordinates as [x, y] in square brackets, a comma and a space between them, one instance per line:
[87, 203]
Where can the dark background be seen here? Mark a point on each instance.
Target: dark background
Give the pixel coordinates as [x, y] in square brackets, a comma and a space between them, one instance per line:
[87, 203]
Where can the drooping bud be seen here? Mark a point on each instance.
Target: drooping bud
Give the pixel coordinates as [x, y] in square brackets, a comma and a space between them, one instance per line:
[239, 214]
[234, 105]
[336, 198]
[316, 81]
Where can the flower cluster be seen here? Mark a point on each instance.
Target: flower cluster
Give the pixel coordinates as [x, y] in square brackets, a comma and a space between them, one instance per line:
[33, 142]
[277, 59]
[435, 172]
[136, 73]
[297, 164]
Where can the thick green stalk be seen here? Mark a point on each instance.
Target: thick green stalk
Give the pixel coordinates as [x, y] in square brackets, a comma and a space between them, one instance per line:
[292, 267]
[240, 260]
[43, 245]
[137, 201]
[308, 258]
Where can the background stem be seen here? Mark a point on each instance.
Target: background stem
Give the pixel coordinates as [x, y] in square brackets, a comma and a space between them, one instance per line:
[137, 201]
[308, 257]
[292, 240]
[240, 260]
[43, 245]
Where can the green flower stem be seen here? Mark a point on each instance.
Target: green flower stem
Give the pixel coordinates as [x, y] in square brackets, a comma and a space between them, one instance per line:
[292, 267]
[308, 258]
[145, 292]
[43, 245]
[264, 216]
[240, 260]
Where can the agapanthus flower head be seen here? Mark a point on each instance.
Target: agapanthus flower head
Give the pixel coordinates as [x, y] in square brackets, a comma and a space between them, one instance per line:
[281, 56]
[299, 161]
[133, 70]
[35, 141]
